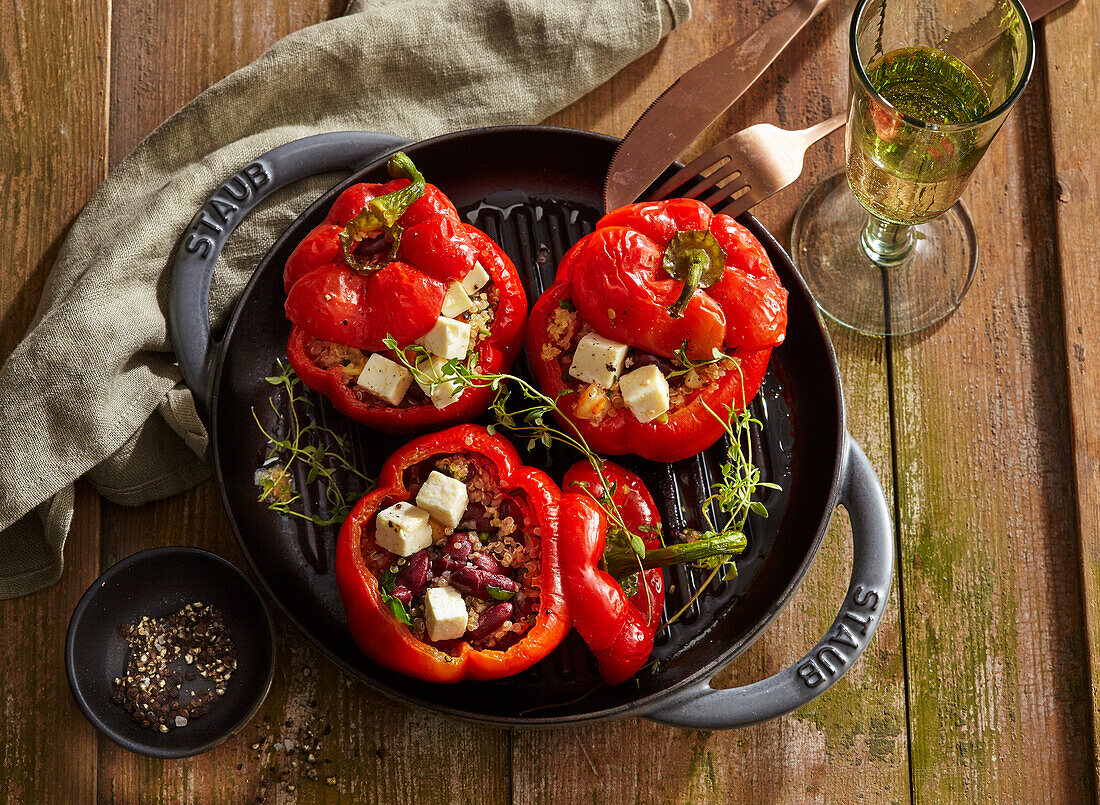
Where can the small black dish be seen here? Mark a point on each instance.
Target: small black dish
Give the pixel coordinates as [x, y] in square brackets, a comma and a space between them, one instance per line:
[158, 582]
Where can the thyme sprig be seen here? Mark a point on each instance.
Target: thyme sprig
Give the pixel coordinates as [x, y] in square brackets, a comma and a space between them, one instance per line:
[322, 452]
[688, 364]
[734, 494]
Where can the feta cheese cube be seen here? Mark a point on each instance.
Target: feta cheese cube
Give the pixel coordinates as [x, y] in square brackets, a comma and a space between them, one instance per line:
[385, 379]
[448, 339]
[645, 392]
[456, 302]
[477, 279]
[444, 498]
[403, 529]
[598, 360]
[444, 613]
[441, 389]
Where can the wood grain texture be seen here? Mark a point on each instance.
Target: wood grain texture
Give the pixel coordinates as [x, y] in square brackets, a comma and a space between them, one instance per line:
[377, 751]
[1074, 35]
[852, 741]
[988, 555]
[53, 136]
[978, 686]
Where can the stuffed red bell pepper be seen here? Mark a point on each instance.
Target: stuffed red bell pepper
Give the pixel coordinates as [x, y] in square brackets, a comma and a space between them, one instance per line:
[615, 589]
[618, 626]
[395, 260]
[449, 569]
[663, 311]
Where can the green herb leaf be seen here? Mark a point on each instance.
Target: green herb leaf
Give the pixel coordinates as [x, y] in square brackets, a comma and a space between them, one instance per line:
[687, 364]
[499, 594]
[397, 608]
[629, 585]
[712, 562]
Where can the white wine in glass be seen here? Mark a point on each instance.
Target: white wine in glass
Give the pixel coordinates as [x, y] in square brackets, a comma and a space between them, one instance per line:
[891, 250]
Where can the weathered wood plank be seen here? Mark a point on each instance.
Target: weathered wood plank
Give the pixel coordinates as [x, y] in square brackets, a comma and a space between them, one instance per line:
[1071, 78]
[378, 751]
[997, 678]
[53, 135]
[851, 742]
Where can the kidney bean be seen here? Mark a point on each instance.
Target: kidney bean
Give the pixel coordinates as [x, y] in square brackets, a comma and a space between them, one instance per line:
[458, 547]
[448, 563]
[475, 581]
[487, 562]
[491, 619]
[647, 359]
[506, 642]
[415, 574]
[477, 516]
[403, 594]
[522, 605]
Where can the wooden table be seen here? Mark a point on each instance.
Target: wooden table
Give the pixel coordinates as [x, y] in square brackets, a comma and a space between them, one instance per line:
[981, 685]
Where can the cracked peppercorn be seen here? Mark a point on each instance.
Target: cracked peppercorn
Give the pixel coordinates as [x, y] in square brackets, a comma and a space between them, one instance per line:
[193, 645]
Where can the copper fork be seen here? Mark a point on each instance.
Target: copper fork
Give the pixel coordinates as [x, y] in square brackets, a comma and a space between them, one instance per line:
[746, 168]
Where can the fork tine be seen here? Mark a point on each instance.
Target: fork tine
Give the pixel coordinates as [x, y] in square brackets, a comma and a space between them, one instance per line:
[741, 204]
[724, 193]
[707, 159]
[729, 171]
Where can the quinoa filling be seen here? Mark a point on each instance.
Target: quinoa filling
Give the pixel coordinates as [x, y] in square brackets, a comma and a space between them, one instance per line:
[350, 361]
[565, 331]
[491, 559]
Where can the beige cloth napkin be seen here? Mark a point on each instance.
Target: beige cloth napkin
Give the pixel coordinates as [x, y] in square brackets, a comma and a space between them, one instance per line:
[94, 387]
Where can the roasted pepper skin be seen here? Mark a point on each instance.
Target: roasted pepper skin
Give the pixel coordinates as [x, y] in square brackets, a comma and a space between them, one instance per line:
[619, 269]
[615, 280]
[391, 643]
[328, 300]
[619, 629]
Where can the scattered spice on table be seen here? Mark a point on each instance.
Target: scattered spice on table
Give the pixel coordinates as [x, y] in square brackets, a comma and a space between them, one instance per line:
[192, 647]
[292, 750]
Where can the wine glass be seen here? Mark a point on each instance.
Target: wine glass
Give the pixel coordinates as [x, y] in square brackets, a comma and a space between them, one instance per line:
[892, 250]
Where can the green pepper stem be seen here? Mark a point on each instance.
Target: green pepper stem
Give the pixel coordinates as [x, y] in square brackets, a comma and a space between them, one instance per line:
[623, 564]
[699, 260]
[381, 214]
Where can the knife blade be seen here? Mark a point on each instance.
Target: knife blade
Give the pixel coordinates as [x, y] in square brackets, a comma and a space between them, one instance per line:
[695, 100]
[1037, 9]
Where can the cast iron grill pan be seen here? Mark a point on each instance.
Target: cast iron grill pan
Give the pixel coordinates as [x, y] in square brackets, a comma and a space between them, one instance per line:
[536, 191]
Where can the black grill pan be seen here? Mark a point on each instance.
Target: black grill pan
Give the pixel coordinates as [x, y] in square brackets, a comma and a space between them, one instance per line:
[536, 190]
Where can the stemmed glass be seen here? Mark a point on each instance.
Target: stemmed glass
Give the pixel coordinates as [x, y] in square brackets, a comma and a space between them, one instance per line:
[892, 250]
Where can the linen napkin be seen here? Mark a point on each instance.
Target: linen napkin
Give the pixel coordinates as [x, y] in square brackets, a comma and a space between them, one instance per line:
[94, 387]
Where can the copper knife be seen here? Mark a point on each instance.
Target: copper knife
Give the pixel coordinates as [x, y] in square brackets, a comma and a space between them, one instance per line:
[697, 98]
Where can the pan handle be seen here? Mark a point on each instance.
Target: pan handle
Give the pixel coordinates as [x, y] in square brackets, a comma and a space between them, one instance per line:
[192, 265]
[701, 706]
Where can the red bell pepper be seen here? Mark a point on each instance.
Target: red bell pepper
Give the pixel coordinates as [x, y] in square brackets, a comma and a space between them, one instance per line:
[671, 280]
[619, 628]
[380, 265]
[375, 626]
